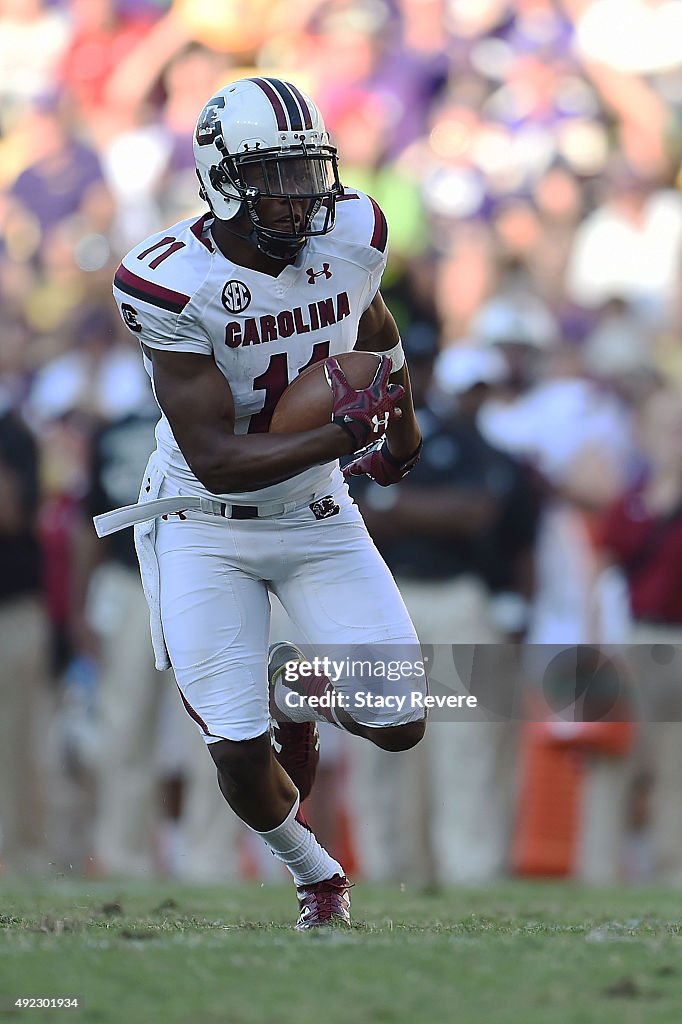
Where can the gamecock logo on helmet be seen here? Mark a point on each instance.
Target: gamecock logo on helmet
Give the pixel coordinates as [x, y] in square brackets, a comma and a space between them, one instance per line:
[209, 126]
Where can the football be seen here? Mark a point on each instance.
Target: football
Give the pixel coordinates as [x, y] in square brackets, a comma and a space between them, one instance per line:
[307, 402]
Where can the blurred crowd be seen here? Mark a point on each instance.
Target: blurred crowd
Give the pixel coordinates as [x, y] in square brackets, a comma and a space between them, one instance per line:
[527, 157]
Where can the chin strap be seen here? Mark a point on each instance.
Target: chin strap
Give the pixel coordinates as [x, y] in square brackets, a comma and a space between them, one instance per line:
[280, 256]
[255, 238]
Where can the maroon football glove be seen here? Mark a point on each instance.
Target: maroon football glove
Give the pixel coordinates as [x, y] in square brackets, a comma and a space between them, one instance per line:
[363, 414]
[379, 465]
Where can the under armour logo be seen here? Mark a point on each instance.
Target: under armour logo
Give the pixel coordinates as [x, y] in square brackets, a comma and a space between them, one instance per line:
[380, 423]
[312, 274]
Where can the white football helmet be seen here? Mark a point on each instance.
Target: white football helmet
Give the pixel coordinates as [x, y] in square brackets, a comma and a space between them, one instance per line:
[262, 137]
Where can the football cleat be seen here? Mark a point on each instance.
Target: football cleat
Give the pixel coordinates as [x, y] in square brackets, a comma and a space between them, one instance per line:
[324, 904]
[296, 744]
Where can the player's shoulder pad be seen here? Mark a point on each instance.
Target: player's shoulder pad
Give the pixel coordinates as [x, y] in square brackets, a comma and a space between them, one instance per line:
[360, 221]
[167, 268]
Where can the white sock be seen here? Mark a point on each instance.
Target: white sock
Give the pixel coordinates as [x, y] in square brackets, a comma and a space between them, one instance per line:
[297, 847]
[299, 710]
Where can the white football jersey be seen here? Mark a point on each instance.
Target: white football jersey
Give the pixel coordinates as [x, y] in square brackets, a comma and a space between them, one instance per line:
[177, 291]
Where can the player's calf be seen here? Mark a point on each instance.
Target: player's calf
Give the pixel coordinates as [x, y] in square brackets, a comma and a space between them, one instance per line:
[261, 793]
[254, 785]
[396, 737]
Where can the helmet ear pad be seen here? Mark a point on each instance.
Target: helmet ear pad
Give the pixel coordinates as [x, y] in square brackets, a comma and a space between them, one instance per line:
[217, 177]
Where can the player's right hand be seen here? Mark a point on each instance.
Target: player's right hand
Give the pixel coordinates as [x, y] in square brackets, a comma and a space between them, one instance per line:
[380, 465]
[363, 414]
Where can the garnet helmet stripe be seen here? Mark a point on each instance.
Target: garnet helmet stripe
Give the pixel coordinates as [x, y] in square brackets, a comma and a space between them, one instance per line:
[307, 116]
[289, 102]
[275, 101]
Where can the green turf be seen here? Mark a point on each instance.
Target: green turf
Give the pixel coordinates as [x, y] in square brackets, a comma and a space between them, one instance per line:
[512, 954]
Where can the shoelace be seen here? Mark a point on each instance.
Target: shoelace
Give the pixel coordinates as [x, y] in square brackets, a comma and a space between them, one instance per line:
[326, 897]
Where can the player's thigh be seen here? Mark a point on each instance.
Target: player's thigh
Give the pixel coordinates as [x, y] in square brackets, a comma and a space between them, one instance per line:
[341, 590]
[215, 621]
[346, 605]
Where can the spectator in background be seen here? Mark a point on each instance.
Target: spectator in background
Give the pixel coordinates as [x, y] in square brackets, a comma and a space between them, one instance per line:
[577, 433]
[559, 200]
[23, 643]
[458, 540]
[522, 328]
[147, 153]
[389, 821]
[101, 39]
[412, 69]
[62, 183]
[362, 125]
[134, 702]
[642, 534]
[634, 69]
[630, 246]
[186, 80]
[33, 37]
[578, 437]
[343, 46]
[114, 636]
[50, 296]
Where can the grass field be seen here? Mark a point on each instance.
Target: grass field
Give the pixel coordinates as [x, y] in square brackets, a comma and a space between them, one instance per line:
[141, 954]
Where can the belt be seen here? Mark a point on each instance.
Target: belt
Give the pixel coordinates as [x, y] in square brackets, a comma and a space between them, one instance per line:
[142, 512]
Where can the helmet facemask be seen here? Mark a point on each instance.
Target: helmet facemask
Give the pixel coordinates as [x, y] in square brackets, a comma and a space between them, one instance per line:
[302, 181]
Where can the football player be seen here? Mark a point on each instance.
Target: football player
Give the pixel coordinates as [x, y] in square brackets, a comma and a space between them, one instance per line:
[282, 271]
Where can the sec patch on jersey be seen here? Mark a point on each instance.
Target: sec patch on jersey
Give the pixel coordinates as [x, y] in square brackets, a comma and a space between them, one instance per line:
[307, 402]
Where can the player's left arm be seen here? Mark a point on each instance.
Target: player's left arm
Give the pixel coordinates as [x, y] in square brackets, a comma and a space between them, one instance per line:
[378, 332]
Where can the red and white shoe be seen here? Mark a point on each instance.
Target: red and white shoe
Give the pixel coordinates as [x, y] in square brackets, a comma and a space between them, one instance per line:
[296, 744]
[324, 904]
